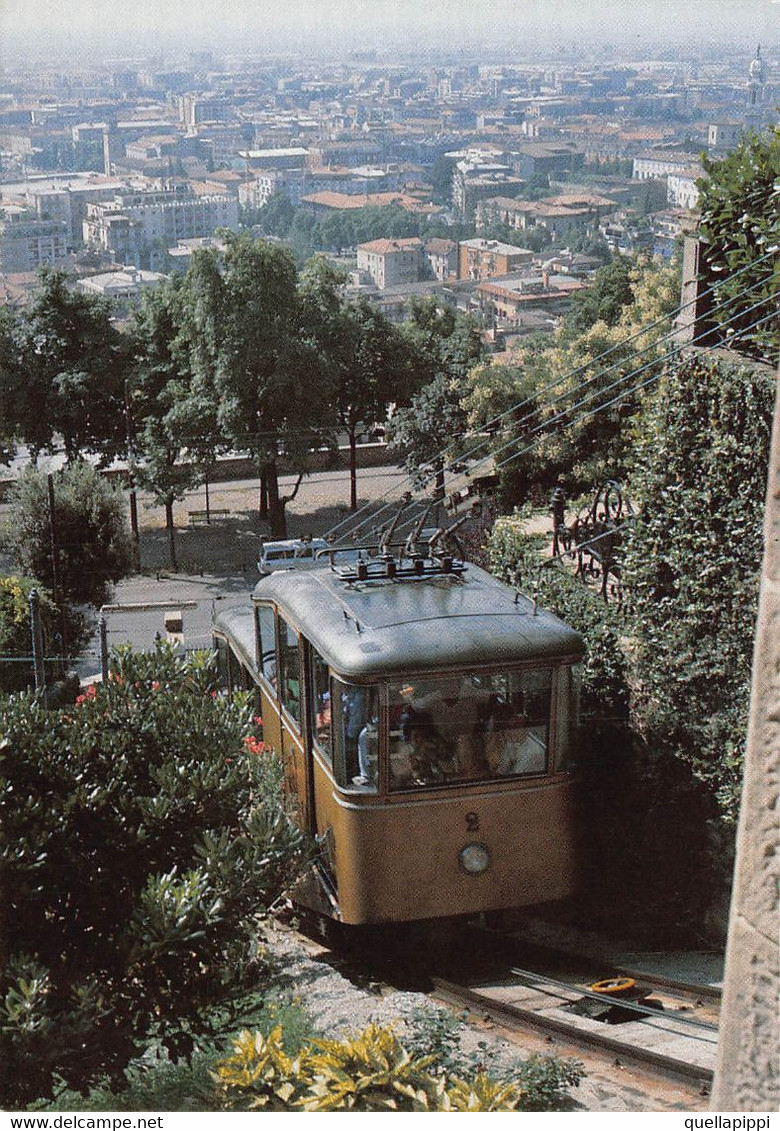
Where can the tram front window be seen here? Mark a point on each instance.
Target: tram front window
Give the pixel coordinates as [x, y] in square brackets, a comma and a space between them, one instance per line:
[469, 727]
[355, 713]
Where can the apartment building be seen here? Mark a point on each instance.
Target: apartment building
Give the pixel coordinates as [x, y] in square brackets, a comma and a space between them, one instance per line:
[681, 188]
[62, 196]
[482, 259]
[133, 224]
[27, 242]
[391, 263]
[442, 258]
[658, 163]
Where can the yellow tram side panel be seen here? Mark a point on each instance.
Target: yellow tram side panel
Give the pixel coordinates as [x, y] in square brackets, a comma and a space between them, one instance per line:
[397, 860]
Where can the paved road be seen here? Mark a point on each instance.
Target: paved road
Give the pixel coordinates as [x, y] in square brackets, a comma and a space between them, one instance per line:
[138, 611]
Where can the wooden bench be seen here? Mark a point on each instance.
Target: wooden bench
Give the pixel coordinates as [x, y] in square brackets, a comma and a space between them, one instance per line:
[196, 517]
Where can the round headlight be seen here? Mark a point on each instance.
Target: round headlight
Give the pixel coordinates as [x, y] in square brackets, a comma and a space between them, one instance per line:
[474, 858]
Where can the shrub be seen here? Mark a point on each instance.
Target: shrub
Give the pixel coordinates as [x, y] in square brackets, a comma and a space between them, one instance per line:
[375, 1071]
[154, 1082]
[693, 560]
[140, 844]
[16, 672]
[92, 539]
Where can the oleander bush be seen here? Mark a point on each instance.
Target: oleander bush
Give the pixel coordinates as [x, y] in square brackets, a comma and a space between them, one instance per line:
[142, 840]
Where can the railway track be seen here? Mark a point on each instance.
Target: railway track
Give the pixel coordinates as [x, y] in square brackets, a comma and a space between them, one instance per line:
[663, 1028]
[660, 1025]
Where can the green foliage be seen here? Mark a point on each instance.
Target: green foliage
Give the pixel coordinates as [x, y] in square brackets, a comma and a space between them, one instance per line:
[603, 301]
[92, 539]
[15, 630]
[371, 1071]
[62, 371]
[693, 560]
[515, 556]
[369, 362]
[154, 1082]
[255, 361]
[578, 437]
[739, 232]
[445, 345]
[173, 433]
[375, 1071]
[140, 842]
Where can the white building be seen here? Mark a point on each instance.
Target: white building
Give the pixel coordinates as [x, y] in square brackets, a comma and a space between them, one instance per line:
[62, 196]
[681, 190]
[658, 163]
[134, 224]
[123, 287]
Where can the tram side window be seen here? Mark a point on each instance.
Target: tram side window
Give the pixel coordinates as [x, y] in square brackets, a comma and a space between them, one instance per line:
[355, 710]
[289, 669]
[321, 708]
[266, 642]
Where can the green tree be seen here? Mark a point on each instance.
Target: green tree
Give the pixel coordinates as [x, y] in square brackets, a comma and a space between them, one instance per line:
[693, 559]
[171, 416]
[446, 345]
[141, 840]
[604, 299]
[276, 216]
[441, 179]
[303, 235]
[571, 432]
[369, 362]
[62, 374]
[252, 354]
[80, 549]
[9, 424]
[739, 233]
[336, 231]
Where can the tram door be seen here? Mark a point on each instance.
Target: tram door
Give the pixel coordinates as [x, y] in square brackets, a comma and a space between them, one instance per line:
[291, 692]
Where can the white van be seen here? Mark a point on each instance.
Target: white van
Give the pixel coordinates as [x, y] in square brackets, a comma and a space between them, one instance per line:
[292, 553]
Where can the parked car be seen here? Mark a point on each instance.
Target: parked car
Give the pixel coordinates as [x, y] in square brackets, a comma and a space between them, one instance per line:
[291, 553]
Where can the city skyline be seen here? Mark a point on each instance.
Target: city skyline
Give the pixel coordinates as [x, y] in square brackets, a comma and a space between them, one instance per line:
[100, 29]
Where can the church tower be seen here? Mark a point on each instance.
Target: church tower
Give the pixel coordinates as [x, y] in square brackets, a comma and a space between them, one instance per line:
[754, 110]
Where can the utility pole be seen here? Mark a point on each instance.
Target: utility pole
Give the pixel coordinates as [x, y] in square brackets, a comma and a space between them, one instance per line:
[55, 580]
[134, 532]
[746, 1071]
[36, 634]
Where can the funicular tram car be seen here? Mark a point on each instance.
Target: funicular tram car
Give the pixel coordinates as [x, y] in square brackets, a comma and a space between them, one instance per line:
[425, 715]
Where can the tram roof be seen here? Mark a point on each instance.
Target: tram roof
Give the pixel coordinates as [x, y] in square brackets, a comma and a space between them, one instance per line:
[380, 627]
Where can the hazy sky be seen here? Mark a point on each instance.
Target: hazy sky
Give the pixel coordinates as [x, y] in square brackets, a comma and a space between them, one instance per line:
[111, 27]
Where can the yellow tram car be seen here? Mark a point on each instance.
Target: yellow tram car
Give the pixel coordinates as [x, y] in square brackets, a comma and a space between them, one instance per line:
[425, 715]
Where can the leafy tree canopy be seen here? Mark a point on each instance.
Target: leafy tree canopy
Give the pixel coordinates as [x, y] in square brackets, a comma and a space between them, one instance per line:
[581, 370]
[62, 372]
[446, 346]
[91, 540]
[739, 232]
